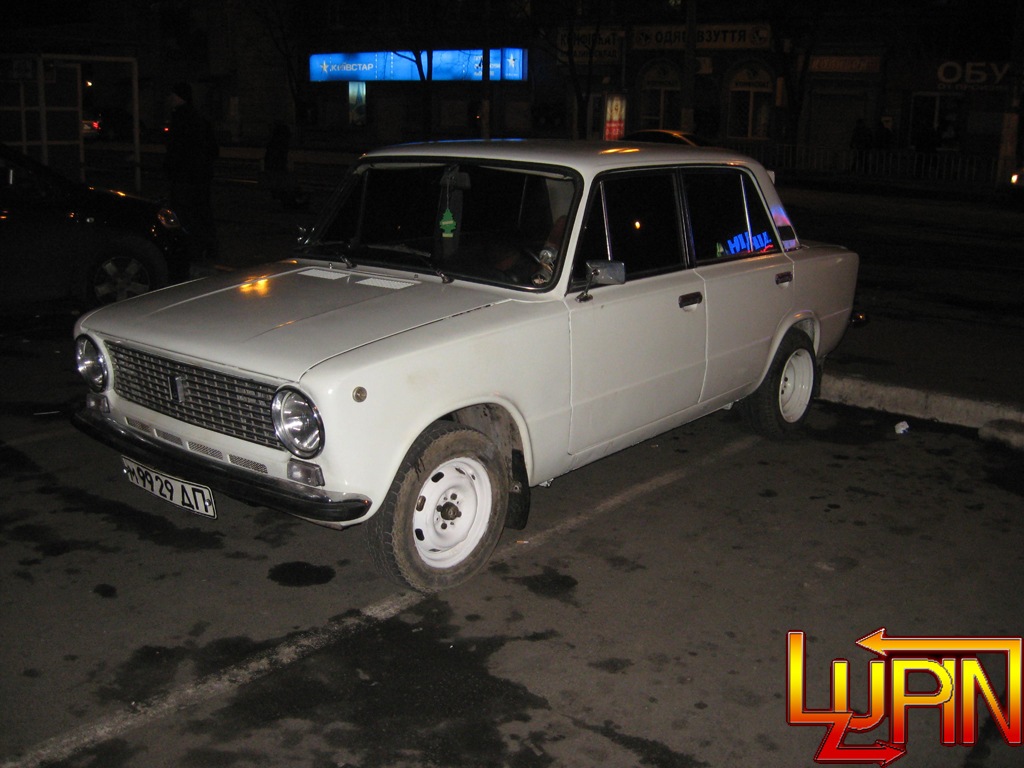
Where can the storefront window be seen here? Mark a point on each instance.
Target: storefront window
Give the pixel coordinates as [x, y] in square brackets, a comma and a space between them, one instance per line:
[357, 103]
[661, 97]
[750, 103]
[936, 121]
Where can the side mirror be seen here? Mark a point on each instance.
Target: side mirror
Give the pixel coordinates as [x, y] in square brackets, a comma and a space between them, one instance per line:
[602, 273]
[606, 272]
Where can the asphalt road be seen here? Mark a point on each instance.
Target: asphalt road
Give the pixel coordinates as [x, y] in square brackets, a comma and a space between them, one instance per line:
[640, 620]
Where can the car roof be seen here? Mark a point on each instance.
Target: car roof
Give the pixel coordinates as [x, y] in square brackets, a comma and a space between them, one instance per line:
[587, 157]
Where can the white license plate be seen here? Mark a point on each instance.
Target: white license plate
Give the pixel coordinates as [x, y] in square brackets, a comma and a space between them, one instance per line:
[197, 499]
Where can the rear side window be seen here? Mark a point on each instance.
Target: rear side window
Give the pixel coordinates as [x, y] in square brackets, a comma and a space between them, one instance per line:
[727, 217]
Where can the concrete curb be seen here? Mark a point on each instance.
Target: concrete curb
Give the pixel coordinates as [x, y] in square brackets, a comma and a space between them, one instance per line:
[1010, 433]
[999, 422]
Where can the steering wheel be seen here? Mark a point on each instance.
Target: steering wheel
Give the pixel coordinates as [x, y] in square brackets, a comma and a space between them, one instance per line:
[545, 260]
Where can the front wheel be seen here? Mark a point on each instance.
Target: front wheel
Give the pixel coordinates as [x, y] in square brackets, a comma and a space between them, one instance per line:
[778, 407]
[445, 510]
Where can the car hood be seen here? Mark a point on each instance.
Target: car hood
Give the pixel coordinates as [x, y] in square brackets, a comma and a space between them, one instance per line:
[285, 319]
[111, 206]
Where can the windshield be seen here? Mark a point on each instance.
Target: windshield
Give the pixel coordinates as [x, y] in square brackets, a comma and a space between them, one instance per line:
[457, 219]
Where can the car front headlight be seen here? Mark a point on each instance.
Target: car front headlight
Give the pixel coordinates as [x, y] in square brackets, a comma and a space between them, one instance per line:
[168, 219]
[297, 423]
[91, 364]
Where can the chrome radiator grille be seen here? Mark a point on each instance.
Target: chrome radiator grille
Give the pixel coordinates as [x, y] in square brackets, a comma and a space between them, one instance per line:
[227, 404]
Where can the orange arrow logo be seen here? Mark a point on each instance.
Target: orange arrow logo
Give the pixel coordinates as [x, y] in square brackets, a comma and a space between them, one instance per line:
[881, 644]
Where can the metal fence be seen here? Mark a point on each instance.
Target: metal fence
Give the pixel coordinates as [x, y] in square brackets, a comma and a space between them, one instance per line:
[902, 165]
[937, 170]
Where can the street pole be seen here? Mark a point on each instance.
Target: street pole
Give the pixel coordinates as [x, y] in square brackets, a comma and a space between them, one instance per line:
[687, 120]
[1011, 117]
[485, 102]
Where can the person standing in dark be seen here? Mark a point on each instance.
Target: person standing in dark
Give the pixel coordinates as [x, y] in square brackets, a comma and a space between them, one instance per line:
[884, 138]
[191, 151]
[861, 142]
[275, 169]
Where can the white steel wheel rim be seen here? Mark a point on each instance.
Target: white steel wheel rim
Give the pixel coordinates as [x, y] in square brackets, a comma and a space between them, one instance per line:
[452, 512]
[796, 385]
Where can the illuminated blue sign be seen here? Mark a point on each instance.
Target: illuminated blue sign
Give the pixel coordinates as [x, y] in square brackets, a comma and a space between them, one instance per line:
[744, 243]
[506, 64]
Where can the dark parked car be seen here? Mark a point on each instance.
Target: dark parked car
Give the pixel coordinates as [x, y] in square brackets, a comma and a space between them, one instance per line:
[664, 136]
[61, 239]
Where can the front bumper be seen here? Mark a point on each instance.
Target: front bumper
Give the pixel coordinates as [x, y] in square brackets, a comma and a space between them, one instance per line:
[309, 503]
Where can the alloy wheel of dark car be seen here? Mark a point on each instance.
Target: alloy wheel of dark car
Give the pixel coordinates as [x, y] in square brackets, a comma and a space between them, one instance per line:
[127, 270]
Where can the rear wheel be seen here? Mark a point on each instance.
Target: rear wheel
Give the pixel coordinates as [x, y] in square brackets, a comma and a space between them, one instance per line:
[123, 270]
[445, 511]
[778, 407]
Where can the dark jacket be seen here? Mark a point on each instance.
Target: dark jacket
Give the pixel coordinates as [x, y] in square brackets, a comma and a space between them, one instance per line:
[191, 147]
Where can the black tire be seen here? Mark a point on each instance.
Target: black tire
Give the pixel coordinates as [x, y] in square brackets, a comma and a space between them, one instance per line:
[445, 511]
[124, 269]
[777, 409]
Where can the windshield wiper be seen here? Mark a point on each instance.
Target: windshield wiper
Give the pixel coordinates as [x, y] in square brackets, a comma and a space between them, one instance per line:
[339, 248]
[425, 256]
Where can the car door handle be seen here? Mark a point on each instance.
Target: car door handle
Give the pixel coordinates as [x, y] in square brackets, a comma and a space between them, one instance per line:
[783, 277]
[690, 299]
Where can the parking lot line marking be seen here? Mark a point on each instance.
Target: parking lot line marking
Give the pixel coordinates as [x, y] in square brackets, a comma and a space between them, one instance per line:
[64, 746]
[59, 431]
[629, 495]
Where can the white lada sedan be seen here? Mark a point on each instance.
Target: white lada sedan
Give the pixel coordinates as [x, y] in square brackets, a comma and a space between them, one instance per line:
[468, 320]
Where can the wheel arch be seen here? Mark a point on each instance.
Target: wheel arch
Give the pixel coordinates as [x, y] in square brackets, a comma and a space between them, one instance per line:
[494, 420]
[506, 429]
[808, 324]
[804, 322]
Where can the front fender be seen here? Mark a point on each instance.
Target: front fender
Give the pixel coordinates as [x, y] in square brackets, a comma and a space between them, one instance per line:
[376, 400]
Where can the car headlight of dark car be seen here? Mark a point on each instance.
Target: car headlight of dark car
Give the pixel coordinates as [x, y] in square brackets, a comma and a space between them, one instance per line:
[168, 219]
[92, 365]
[297, 423]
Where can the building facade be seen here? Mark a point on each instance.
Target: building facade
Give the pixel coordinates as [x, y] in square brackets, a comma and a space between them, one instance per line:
[820, 78]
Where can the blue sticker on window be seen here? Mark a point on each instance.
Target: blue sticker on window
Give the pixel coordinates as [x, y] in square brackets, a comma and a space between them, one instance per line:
[743, 243]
